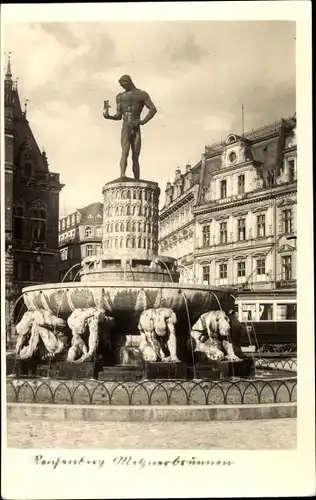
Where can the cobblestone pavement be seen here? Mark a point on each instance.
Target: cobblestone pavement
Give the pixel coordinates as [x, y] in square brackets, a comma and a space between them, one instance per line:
[275, 434]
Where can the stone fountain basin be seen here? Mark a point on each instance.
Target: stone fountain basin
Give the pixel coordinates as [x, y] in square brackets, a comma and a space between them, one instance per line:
[126, 301]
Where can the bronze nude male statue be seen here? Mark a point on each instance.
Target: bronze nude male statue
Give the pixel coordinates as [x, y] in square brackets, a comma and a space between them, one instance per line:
[129, 107]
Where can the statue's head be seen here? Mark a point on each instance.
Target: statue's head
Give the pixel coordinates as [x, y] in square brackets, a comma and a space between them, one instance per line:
[126, 82]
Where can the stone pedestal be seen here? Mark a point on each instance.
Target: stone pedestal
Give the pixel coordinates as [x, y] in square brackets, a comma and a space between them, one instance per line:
[165, 371]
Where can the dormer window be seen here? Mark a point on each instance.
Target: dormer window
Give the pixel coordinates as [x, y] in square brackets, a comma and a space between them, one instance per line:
[223, 189]
[232, 157]
[241, 184]
[270, 178]
[291, 164]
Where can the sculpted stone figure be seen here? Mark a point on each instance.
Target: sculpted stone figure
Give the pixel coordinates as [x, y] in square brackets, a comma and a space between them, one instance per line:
[87, 321]
[39, 328]
[157, 331]
[129, 107]
[211, 334]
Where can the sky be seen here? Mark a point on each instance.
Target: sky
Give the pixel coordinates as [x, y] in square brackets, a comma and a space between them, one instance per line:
[198, 74]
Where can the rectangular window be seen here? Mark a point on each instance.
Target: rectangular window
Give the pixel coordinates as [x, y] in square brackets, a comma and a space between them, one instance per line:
[223, 232]
[287, 267]
[223, 189]
[265, 312]
[241, 229]
[26, 271]
[248, 312]
[223, 271]
[241, 269]
[206, 236]
[261, 225]
[70, 253]
[18, 228]
[223, 274]
[261, 266]
[88, 250]
[206, 275]
[241, 184]
[98, 250]
[287, 221]
[286, 312]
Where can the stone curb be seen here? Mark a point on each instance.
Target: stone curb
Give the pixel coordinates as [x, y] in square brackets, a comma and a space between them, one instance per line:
[144, 413]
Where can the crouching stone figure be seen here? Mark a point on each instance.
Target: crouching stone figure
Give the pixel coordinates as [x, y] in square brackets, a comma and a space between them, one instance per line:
[87, 323]
[212, 336]
[158, 340]
[40, 330]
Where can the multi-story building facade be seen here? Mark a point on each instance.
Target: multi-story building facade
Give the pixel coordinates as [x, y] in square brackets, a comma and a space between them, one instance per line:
[31, 207]
[80, 236]
[177, 225]
[244, 216]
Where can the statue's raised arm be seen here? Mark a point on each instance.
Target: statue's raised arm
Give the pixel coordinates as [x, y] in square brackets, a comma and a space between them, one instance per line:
[106, 111]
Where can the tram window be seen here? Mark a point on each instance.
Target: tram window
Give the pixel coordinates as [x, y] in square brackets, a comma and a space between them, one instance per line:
[248, 312]
[265, 312]
[285, 312]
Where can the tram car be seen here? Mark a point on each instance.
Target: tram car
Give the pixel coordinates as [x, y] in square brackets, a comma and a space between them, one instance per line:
[267, 321]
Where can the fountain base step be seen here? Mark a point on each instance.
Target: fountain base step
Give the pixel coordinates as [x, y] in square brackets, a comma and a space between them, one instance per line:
[240, 368]
[121, 373]
[163, 370]
[56, 369]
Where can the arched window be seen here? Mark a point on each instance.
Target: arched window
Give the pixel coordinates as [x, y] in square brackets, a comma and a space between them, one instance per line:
[116, 243]
[149, 211]
[144, 243]
[144, 227]
[145, 211]
[134, 226]
[133, 210]
[134, 194]
[139, 227]
[128, 210]
[122, 211]
[111, 227]
[117, 211]
[122, 227]
[128, 194]
[117, 227]
[128, 226]
[88, 232]
[149, 227]
[139, 195]
[139, 242]
[121, 243]
[133, 242]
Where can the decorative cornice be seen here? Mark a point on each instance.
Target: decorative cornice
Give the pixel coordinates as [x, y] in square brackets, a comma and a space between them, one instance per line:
[286, 248]
[185, 198]
[270, 193]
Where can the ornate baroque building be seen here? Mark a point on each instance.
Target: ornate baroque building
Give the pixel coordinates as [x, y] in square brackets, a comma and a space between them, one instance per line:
[31, 207]
[80, 236]
[243, 215]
